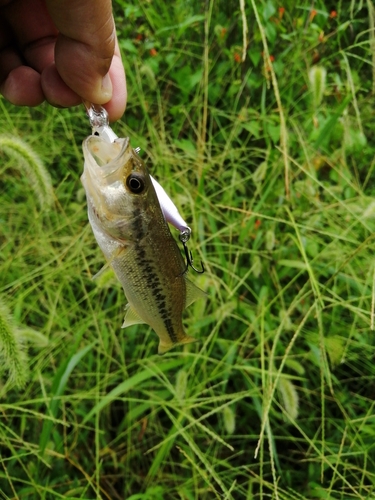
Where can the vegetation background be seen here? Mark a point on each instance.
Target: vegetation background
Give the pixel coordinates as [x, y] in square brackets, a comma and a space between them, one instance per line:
[258, 119]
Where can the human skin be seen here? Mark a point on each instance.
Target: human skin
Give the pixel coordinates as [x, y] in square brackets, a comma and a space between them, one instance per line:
[61, 51]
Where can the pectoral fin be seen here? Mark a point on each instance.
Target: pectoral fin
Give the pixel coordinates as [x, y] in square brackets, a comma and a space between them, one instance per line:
[102, 271]
[131, 317]
[108, 265]
[193, 293]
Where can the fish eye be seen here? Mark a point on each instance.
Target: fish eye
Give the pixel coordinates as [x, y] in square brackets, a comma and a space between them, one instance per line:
[135, 183]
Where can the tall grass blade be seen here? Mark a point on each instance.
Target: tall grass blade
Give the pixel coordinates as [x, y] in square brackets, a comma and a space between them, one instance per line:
[129, 384]
[283, 128]
[58, 389]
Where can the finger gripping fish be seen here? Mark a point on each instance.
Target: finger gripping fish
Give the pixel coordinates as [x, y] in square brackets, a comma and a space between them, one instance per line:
[130, 228]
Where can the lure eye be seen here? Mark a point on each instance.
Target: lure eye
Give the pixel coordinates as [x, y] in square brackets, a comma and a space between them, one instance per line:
[135, 183]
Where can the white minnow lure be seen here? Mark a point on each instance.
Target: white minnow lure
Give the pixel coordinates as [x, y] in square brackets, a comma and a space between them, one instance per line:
[130, 228]
[169, 209]
[100, 126]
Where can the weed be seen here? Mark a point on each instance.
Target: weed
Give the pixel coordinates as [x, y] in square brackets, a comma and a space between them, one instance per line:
[28, 162]
[12, 354]
[284, 368]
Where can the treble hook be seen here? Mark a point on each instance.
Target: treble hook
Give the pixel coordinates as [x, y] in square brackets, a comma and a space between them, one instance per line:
[184, 238]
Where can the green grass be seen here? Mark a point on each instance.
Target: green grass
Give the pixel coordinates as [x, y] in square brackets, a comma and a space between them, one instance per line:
[277, 398]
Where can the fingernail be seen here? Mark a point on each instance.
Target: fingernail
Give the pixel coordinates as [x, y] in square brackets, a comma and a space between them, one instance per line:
[107, 86]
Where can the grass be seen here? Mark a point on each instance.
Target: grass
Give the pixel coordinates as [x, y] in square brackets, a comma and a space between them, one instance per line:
[277, 399]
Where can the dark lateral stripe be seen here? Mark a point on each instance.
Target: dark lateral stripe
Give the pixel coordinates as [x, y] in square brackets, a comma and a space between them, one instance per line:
[170, 330]
[165, 316]
[151, 278]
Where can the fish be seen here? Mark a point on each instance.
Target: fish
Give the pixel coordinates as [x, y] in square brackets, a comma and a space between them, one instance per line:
[130, 228]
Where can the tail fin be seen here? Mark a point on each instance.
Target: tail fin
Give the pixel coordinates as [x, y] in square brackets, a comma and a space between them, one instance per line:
[167, 346]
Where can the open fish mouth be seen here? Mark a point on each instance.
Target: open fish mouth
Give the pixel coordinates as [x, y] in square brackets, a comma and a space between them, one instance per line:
[104, 168]
[103, 158]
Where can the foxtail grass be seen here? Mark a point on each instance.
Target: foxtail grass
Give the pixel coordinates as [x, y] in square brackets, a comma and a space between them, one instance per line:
[13, 356]
[26, 160]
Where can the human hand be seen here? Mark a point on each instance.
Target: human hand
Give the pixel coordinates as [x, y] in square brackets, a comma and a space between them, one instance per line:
[61, 51]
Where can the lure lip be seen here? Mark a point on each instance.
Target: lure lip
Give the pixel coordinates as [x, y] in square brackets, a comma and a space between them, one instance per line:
[99, 121]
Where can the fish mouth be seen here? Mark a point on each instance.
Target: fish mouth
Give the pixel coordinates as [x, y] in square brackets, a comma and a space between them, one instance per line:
[105, 165]
[103, 159]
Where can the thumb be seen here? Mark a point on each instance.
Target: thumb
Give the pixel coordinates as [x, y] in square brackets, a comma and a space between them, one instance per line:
[85, 46]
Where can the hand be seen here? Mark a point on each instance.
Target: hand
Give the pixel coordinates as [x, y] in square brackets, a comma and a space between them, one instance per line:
[61, 51]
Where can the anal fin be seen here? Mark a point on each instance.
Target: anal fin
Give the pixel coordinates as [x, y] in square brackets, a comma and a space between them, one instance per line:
[131, 317]
[193, 293]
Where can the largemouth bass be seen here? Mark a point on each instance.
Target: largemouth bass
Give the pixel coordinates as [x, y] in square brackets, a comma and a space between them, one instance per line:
[130, 228]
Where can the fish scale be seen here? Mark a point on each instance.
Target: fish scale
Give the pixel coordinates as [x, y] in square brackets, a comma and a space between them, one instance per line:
[131, 230]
